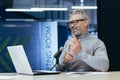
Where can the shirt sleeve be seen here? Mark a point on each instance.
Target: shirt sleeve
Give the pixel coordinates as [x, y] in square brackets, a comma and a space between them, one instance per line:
[61, 59]
[99, 61]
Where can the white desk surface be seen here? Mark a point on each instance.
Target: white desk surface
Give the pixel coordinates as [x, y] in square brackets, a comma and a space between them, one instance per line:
[64, 76]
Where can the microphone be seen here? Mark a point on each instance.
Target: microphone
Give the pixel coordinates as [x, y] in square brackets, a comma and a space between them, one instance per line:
[58, 53]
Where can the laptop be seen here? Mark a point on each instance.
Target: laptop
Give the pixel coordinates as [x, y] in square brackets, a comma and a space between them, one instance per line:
[21, 63]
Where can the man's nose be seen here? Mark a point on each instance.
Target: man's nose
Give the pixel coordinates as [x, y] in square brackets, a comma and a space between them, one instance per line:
[72, 26]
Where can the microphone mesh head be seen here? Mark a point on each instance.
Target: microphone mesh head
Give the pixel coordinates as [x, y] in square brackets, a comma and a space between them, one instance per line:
[61, 48]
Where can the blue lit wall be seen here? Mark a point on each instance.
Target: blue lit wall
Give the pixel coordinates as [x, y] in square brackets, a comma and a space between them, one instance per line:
[30, 35]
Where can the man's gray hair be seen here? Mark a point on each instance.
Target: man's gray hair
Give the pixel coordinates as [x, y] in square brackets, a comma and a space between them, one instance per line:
[82, 13]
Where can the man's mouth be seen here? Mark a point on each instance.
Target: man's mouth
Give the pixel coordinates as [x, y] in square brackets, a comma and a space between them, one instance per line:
[74, 30]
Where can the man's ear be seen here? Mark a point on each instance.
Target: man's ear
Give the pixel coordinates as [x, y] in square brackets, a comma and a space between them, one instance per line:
[86, 23]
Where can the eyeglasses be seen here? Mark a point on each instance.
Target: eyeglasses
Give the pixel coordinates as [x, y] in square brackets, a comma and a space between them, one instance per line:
[75, 22]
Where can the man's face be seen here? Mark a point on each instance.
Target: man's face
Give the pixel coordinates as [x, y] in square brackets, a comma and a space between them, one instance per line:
[78, 25]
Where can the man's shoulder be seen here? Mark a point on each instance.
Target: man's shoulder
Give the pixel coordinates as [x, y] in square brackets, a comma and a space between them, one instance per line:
[94, 38]
[91, 36]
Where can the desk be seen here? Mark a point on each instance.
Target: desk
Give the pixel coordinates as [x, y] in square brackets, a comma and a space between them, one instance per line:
[63, 76]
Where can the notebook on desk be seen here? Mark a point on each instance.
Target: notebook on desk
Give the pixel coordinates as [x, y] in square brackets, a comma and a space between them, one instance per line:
[21, 63]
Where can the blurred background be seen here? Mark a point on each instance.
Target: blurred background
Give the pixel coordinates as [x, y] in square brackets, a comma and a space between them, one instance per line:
[34, 22]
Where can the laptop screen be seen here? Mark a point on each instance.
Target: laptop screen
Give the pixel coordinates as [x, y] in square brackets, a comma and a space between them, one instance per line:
[19, 59]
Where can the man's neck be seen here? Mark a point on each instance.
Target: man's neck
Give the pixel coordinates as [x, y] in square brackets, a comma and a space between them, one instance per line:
[81, 35]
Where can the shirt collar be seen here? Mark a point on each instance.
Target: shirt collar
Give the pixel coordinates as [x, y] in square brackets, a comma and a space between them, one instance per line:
[83, 35]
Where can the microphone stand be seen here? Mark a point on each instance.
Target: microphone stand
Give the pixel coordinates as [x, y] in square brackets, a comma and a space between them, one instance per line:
[56, 65]
[56, 56]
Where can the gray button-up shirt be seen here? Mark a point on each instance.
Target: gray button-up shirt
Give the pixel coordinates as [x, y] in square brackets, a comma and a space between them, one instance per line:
[92, 57]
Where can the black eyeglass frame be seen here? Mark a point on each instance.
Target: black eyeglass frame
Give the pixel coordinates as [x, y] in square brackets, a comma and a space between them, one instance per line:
[75, 22]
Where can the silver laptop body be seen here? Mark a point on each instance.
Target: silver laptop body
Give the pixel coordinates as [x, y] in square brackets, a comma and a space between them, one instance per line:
[21, 62]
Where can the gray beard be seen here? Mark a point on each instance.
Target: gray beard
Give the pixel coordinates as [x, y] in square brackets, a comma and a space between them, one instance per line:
[77, 36]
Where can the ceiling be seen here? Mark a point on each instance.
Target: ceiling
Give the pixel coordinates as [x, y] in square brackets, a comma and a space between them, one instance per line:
[31, 3]
[46, 15]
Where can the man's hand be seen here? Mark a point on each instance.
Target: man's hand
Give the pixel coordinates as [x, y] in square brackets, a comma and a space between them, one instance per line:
[68, 56]
[75, 45]
[74, 48]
